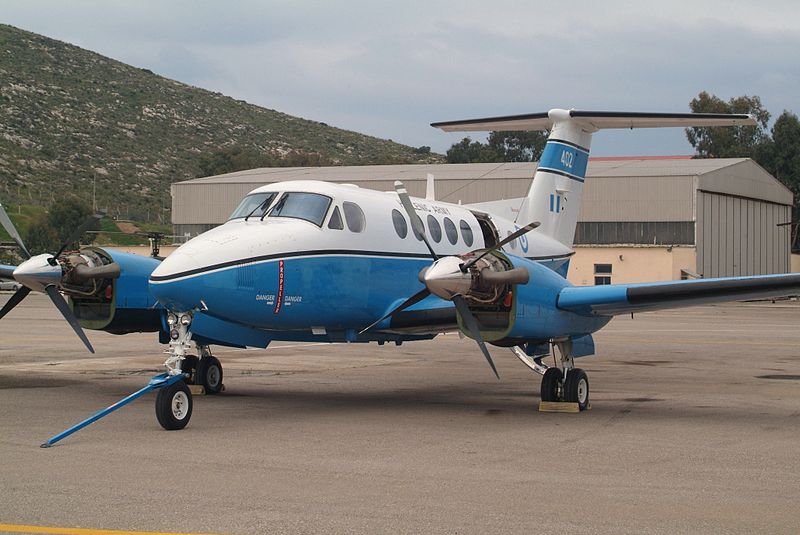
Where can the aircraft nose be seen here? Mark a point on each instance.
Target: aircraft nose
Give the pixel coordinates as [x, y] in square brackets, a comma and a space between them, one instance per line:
[173, 283]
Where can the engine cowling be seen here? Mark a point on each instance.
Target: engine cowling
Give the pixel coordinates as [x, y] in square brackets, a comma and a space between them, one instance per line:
[108, 291]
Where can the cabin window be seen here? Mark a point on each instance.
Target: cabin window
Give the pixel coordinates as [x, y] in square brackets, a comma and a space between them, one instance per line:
[420, 225]
[466, 232]
[254, 205]
[435, 229]
[602, 274]
[450, 231]
[400, 225]
[354, 217]
[336, 219]
[310, 207]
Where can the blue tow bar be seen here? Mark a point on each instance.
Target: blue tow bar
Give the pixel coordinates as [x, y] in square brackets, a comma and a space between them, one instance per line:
[159, 381]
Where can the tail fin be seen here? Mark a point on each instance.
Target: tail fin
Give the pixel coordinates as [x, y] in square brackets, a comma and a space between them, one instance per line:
[554, 198]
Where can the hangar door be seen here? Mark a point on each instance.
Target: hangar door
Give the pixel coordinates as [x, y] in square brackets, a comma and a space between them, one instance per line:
[739, 236]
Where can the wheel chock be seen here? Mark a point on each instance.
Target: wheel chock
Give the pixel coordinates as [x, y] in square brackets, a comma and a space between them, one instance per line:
[159, 381]
[560, 406]
[197, 390]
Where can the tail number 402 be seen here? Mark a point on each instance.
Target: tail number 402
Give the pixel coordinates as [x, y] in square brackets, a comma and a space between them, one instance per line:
[567, 158]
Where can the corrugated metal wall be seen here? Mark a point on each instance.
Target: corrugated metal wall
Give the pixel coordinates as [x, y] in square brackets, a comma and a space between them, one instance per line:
[738, 236]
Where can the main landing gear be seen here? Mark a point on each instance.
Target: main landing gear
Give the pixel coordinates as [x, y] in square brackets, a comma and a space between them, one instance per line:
[570, 384]
[174, 403]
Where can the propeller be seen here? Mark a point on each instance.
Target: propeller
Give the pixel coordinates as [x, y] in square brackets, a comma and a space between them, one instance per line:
[446, 276]
[43, 273]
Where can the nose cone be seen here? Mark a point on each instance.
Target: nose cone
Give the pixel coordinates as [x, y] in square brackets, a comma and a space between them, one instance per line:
[445, 279]
[37, 273]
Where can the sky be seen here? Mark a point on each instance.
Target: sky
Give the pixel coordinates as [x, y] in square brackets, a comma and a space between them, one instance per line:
[389, 68]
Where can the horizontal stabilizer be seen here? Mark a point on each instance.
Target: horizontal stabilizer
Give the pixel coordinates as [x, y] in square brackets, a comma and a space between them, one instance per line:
[613, 299]
[595, 120]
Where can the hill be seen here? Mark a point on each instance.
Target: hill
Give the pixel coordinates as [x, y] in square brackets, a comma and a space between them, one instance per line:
[72, 120]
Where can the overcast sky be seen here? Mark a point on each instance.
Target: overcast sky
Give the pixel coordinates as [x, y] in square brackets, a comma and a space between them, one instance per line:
[390, 68]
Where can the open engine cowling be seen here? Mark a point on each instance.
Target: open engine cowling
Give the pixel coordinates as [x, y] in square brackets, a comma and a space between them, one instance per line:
[116, 303]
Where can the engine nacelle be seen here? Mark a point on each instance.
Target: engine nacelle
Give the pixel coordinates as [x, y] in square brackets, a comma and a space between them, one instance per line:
[117, 301]
[512, 312]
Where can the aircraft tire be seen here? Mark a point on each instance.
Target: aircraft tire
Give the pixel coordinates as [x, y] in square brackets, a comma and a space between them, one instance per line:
[550, 384]
[209, 374]
[576, 388]
[174, 406]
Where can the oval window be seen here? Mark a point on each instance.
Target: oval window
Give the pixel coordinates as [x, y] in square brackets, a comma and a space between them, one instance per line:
[513, 243]
[354, 216]
[450, 230]
[435, 229]
[420, 225]
[466, 232]
[400, 225]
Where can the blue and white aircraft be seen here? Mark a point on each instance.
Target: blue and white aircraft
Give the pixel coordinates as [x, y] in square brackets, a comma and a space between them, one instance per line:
[319, 262]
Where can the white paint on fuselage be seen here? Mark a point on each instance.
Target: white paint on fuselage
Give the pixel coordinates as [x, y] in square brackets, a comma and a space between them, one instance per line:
[240, 241]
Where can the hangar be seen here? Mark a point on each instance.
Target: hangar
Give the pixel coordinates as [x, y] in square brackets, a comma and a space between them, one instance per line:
[641, 218]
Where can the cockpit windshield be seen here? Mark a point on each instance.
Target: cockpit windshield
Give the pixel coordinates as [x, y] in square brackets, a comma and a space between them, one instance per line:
[254, 205]
[307, 206]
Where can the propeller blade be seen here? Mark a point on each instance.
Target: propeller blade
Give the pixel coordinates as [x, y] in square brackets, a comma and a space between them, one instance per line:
[511, 237]
[12, 231]
[18, 296]
[86, 225]
[63, 307]
[472, 325]
[416, 222]
[416, 298]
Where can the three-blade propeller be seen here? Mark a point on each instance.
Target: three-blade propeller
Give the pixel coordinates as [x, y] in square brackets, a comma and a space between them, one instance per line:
[469, 320]
[43, 273]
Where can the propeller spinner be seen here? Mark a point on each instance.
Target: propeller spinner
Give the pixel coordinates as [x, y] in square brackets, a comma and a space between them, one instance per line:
[451, 279]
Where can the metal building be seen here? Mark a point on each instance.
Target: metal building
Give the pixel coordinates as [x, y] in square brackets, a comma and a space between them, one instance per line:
[641, 219]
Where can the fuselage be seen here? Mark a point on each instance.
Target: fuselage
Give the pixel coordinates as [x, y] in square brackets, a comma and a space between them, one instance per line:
[330, 257]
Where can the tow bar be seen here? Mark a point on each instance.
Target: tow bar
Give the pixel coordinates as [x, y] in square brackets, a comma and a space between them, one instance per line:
[159, 381]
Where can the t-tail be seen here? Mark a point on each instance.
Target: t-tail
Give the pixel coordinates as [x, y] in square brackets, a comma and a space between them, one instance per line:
[554, 197]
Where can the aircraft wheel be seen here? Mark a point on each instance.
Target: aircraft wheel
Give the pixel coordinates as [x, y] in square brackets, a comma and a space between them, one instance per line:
[209, 374]
[576, 388]
[174, 406]
[551, 383]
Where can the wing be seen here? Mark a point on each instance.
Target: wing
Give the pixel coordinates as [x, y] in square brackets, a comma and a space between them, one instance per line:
[616, 299]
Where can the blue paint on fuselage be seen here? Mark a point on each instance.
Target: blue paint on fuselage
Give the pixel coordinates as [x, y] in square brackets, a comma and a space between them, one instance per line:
[347, 292]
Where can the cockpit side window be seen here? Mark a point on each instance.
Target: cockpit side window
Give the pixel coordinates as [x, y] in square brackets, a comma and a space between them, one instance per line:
[336, 220]
[254, 205]
[354, 216]
[310, 207]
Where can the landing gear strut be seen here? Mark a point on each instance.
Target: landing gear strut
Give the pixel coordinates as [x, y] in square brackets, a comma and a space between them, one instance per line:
[570, 384]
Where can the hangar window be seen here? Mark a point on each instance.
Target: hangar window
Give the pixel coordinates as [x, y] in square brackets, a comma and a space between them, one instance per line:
[253, 205]
[450, 230]
[435, 229]
[602, 274]
[310, 207]
[354, 217]
[336, 219]
[400, 225]
[466, 232]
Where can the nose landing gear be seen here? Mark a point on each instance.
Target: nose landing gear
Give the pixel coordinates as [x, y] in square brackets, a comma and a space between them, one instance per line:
[570, 385]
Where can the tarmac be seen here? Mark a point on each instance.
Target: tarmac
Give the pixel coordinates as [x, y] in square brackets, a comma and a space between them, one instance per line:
[694, 428]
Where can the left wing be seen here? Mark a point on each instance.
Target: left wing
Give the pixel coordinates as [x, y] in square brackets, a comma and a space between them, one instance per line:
[613, 299]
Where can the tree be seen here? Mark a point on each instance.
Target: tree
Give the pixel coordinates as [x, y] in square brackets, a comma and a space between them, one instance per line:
[781, 157]
[46, 234]
[515, 146]
[725, 141]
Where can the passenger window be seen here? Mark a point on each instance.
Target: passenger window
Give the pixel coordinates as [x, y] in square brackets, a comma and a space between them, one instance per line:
[417, 235]
[513, 243]
[400, 225]
[434, 229]
[450, 230]
[336, 220]
[466, 232]
[354, 217]
[300, 205]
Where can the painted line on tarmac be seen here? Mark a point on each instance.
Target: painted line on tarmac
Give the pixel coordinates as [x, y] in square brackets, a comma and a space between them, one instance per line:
[23, 528]
[681, 341]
